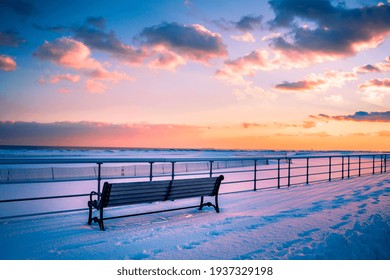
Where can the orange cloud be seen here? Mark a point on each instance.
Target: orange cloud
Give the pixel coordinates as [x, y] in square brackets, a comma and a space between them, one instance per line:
[305, 124]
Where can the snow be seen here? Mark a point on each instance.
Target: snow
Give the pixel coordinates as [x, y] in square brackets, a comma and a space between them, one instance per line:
[342, 219]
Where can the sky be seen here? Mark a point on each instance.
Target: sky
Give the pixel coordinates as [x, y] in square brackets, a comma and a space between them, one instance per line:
[277, 74]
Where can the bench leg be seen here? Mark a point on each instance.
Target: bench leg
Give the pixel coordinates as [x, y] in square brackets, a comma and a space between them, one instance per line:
[96, 219]
[90, 214]
[201, 203]
[216, 207]
[216, 204]
[101, 225]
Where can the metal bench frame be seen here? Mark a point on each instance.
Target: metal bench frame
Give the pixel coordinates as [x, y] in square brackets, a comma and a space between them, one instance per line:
[119, 194]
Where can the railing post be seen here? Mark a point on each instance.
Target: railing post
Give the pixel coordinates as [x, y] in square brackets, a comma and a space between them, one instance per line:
[349, 167]
[99, 178]
[360, 165]
[289, 173]
[385, 162]
[373, 164]
[278, 173]
[307, 171]
[342, 167]
[173, 170]
[255, 176]
[381, 164]
[211, 168]
[151, 171]
[330, 168]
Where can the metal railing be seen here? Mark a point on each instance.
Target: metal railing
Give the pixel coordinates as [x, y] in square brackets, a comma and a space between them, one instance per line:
[53, 176]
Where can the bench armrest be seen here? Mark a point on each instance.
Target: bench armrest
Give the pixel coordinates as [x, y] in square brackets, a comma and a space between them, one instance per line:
[94, 193]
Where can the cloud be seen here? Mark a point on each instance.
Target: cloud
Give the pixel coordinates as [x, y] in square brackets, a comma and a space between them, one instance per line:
[244, 24]
[374, 90]
[360, 116]
[93, 35]
[234, 71]
[163, 46]
[69, 53]
[379, 67]
[319, 31]
[246, 37]
[193, 42]
[166, 59]
[10, 38]
[248, 23]
[315, 82]
[7, 63]
[98, 22]
[301, 85]
[304, 124]
[64, 77]
[376, 83]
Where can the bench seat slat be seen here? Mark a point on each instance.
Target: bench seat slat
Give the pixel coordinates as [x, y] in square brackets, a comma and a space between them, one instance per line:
[140, 185]
[136, 200]
[194, 181]
[136, 192]
[193, 193]
[192, 187]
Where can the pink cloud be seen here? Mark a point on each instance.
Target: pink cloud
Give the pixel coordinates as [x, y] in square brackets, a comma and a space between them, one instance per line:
[246, 37]
[166, 59]
[64, 77]
[376, 83]
[7, 63]
[69, 53]
[234, 70]
[379, 67]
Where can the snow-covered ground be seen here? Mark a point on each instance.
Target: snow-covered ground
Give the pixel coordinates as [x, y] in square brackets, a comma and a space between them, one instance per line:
[345, 219]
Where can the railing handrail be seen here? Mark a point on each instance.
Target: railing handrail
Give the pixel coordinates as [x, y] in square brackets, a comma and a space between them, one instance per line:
[73, 160]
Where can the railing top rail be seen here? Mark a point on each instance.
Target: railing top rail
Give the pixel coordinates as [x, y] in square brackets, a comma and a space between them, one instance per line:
[73, 160]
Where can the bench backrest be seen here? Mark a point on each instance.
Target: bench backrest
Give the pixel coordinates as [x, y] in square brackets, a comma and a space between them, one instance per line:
[116, 194]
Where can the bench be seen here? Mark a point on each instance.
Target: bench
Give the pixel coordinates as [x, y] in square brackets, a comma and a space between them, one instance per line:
[119, 194]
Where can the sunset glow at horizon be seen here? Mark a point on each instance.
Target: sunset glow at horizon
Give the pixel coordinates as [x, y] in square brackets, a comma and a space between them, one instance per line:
[277, 74]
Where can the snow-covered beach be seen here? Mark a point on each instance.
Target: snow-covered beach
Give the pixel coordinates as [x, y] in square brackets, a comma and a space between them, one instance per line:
[342, 219]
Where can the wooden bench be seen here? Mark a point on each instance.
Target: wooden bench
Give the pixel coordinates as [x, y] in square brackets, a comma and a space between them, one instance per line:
[118, 194]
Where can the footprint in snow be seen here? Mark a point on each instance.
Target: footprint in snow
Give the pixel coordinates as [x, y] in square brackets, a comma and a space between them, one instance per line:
[190, 245]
